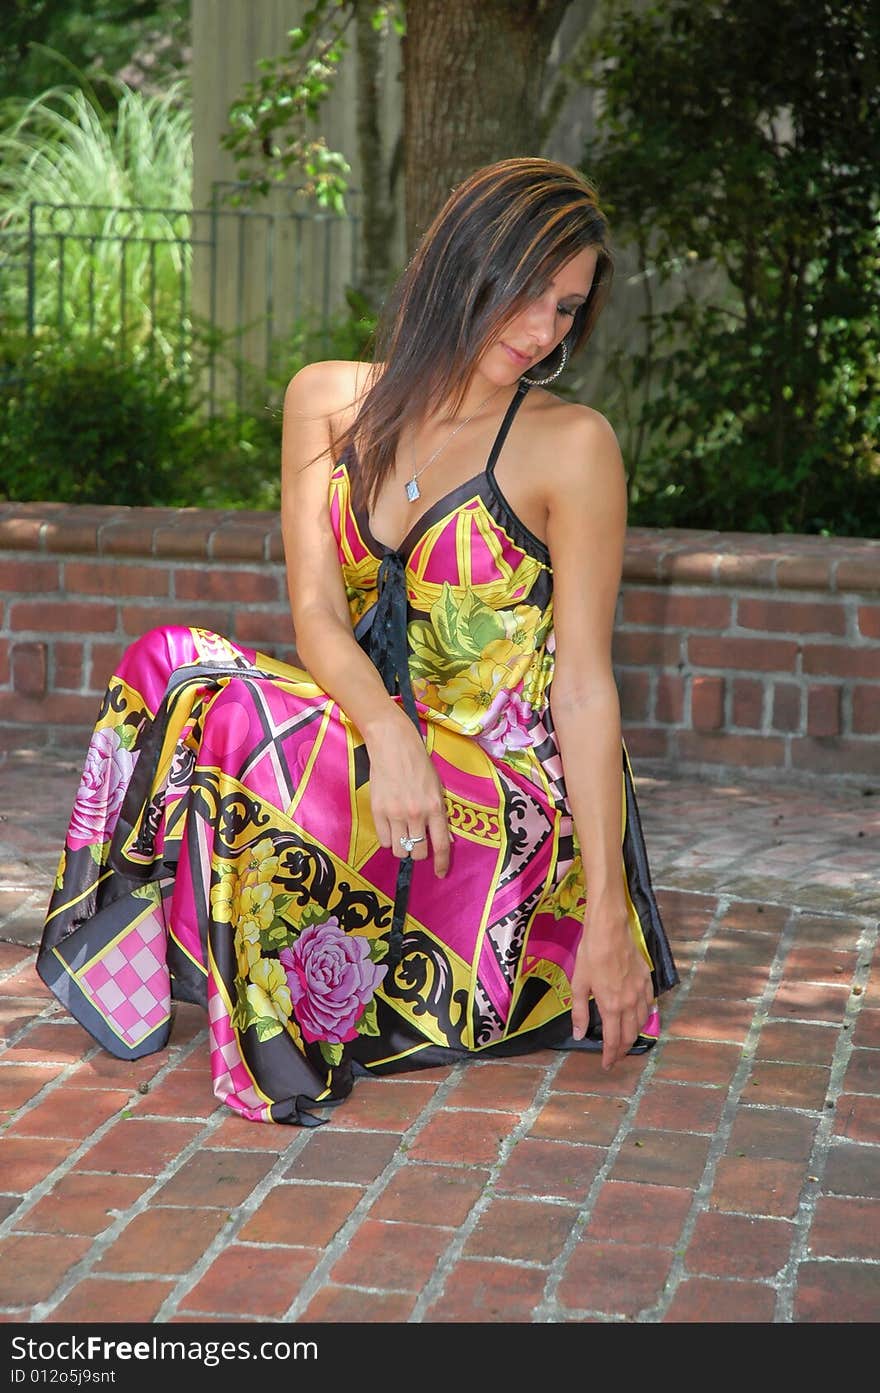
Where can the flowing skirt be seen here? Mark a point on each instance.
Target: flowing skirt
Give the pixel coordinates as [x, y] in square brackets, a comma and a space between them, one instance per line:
[221, 850]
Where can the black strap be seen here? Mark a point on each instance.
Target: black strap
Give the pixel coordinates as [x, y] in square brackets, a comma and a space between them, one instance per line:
[513, 408]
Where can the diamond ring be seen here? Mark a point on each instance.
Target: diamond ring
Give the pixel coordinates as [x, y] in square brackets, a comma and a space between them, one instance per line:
[409, 842]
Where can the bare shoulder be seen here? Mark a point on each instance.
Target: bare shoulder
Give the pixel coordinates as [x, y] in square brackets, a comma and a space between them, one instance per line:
[577, 444]
[329, 391]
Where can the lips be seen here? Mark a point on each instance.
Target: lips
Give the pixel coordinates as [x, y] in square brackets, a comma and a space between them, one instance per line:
[521, 359]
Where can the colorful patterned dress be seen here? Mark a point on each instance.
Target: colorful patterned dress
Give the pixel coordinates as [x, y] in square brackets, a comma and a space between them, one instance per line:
[221, 848]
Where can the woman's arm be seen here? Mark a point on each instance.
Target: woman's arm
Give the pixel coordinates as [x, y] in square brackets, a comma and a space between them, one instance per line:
[405, 791]
[586, 527]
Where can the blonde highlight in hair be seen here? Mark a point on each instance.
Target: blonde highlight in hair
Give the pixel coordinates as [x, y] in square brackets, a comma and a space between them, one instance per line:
[499, 239]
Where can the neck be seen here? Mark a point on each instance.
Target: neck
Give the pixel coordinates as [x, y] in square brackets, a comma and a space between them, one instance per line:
[480, 393]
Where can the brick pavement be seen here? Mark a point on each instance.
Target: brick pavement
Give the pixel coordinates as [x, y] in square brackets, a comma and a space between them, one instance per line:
[733, 1174]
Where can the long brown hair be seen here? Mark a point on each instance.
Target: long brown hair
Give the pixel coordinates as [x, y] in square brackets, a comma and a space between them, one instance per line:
[497, 241]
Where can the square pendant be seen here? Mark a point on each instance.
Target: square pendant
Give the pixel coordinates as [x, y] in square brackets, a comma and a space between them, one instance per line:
[412, 490]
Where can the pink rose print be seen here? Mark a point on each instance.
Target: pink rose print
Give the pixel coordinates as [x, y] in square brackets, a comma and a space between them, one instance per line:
[105, 777]
[331, 980]
[506, 725]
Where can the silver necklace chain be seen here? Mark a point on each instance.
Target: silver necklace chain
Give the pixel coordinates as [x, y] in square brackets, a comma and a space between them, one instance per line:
[411, 487]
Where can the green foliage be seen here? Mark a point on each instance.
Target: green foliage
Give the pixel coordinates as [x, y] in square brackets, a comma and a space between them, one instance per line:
[41, 41]
[737, 149]
[95, 183]
[80, 424]
[273, 127]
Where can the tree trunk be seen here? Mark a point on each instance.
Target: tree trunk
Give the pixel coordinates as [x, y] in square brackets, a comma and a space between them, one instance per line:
[377, 202]
[473, 83]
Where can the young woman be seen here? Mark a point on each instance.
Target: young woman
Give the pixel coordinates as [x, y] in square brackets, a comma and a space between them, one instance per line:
[422, 846]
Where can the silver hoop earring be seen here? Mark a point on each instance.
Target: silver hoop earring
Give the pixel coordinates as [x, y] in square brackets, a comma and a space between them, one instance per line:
[551, 377]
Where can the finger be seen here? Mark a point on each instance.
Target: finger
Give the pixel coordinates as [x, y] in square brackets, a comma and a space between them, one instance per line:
[420, 850]
[384, 831]
[441, 843]
[610, 1042]
[398, 830]
[580, 1016]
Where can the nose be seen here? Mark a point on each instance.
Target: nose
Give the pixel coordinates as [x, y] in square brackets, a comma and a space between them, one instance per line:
[540, 319]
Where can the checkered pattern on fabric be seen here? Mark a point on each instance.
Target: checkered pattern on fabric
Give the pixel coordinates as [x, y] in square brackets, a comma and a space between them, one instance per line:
[229, 1076]
[128, 982]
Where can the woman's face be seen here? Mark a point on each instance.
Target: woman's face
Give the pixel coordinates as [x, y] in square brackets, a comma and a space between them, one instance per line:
[536, 330]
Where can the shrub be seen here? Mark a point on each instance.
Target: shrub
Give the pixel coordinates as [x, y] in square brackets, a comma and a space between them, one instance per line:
[79, 424]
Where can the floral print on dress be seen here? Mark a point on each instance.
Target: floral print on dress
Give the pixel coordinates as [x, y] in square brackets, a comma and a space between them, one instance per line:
[468, 659]
[105, 777]
[332, 980]
[306, 976]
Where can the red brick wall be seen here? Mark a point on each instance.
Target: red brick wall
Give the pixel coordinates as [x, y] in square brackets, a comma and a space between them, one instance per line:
[733, 652]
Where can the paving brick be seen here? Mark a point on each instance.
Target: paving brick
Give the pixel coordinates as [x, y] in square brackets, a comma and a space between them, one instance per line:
[358, 1157]
[550, 1168]
[703, 1018]
[615, 1278]
[681, 1107]
[755, 1185]
[385, 1105]
[814, 964]
[248, 1281]
[83, 1204]
[395, 1256]
[527, 1230]
[581, 1072]
[797, 1043]
[215, 1179]
[837, 1293]
[507, 1086]
[62, 1043]
[845, 1228]
[25, 1161]
[731, 984]
[810, 1001]
[32, 1265]
[863, 1072]
[866, 1031]
[771, 1133]
[701, 1061]
[739, 1245]
[240, 1135]
[853, 1168]
[474, 1136]
[662, 1158]
[353, 1306]
[163, 1241]
[107, 1300]
[433, 1194]
[787, 1085]
[21, 1082]
[181, 1093]
[71, 1112]
[579, 1117]
[858, 1118]
[479, 1292]
[702, 1300]
[627, 1212]
[138, 1147]
[302, 1214]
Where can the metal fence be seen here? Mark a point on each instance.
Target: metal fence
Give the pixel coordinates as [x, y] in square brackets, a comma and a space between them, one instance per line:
[222, 286]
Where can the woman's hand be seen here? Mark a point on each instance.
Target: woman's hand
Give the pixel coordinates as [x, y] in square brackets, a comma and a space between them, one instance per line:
[609, 967]
[406, 795]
